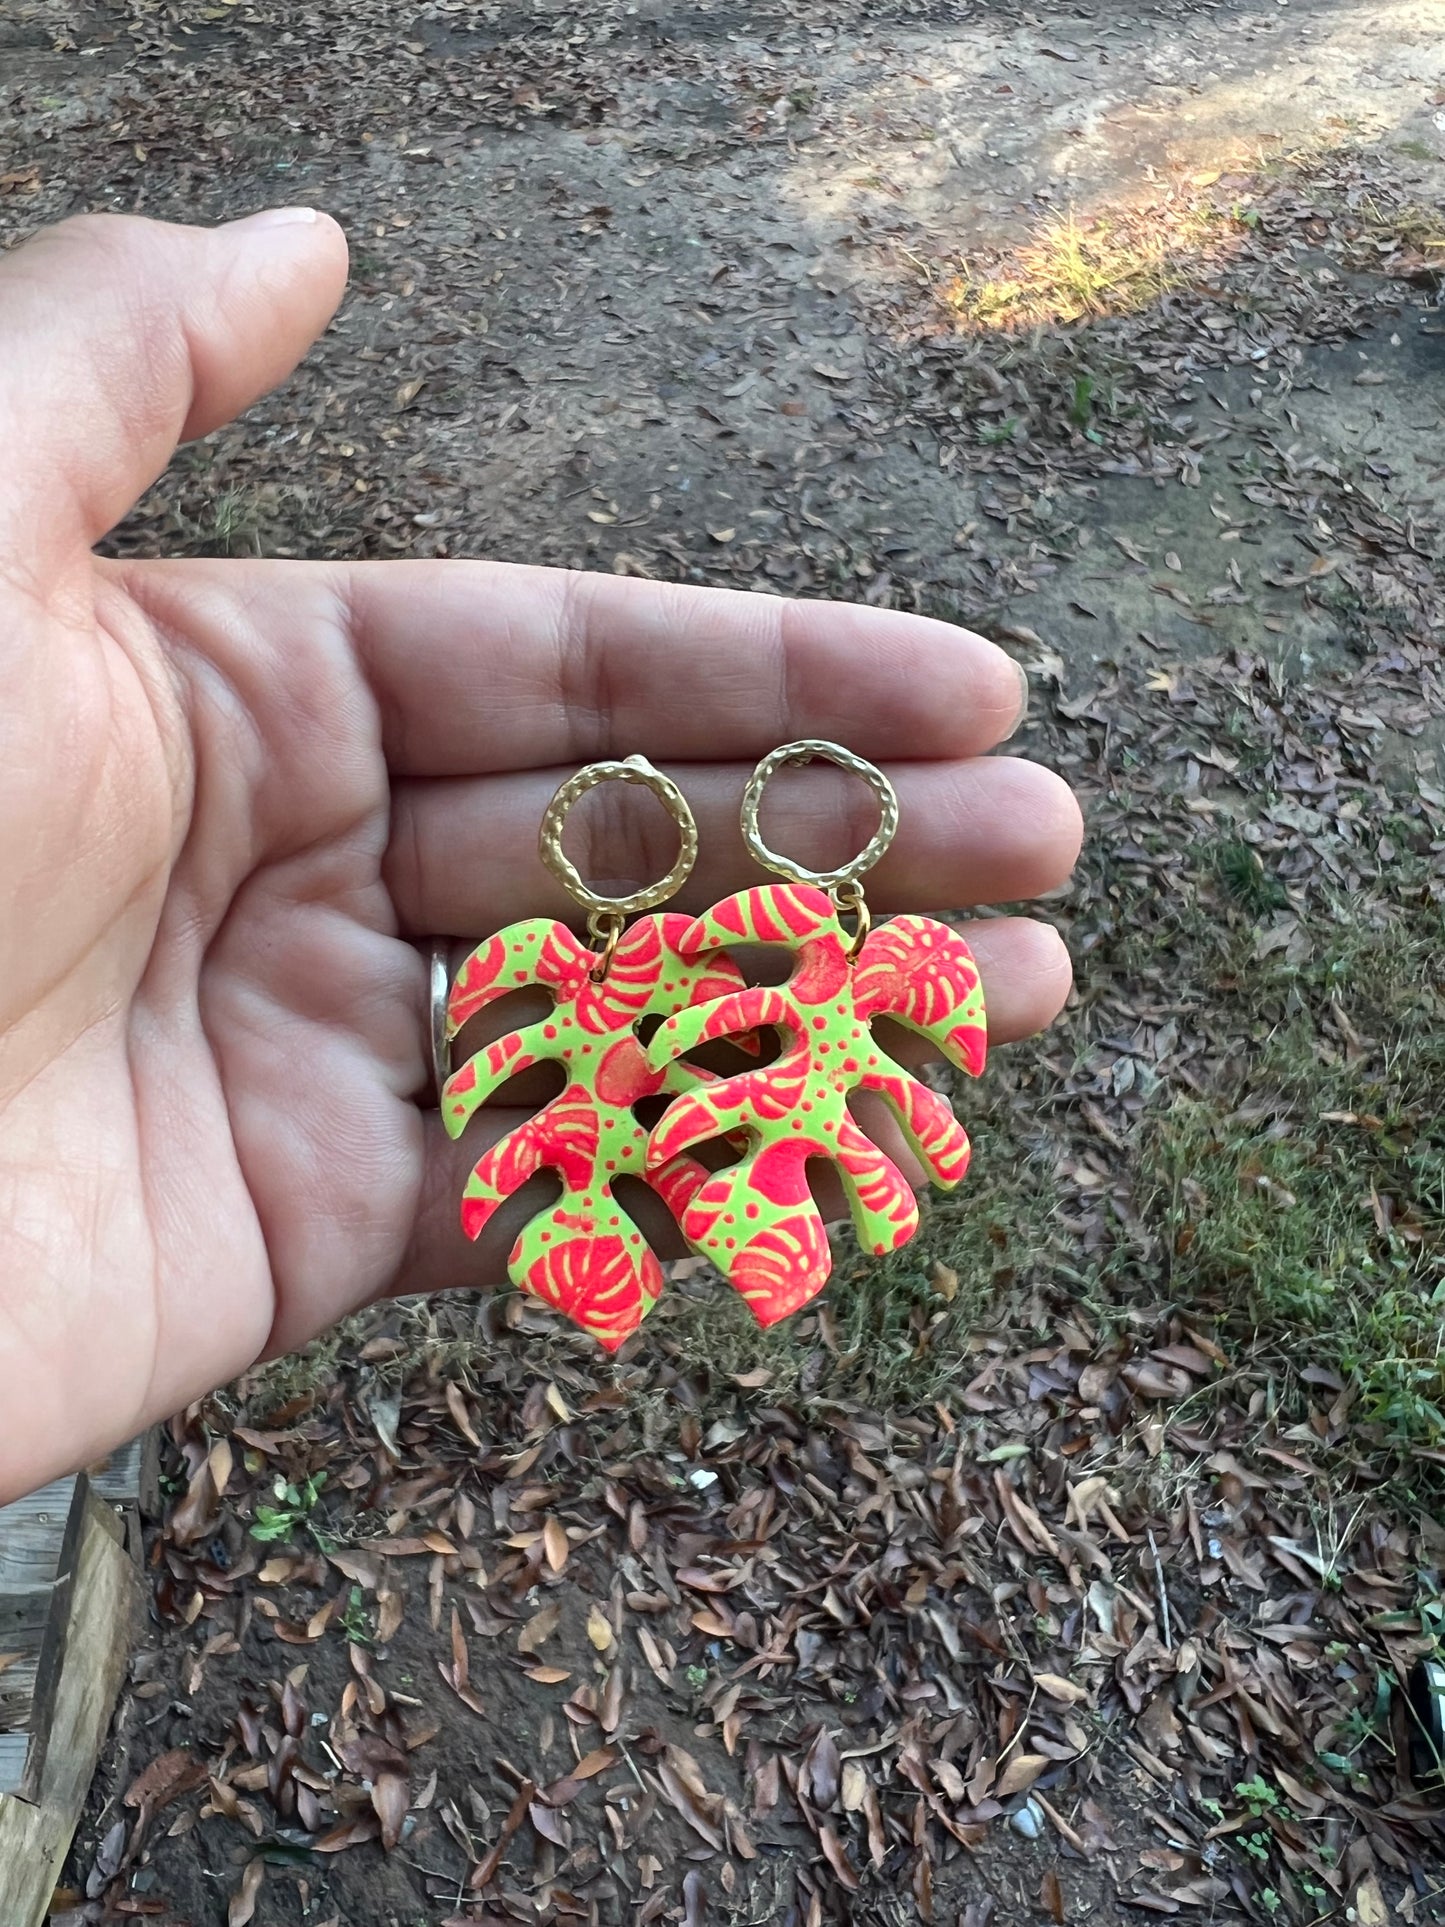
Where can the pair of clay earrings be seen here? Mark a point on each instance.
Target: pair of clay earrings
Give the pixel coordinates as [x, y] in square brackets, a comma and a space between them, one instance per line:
[755, 1218]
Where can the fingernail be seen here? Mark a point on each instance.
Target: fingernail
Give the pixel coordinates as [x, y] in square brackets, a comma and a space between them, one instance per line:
[1023, 708]
[279, 217]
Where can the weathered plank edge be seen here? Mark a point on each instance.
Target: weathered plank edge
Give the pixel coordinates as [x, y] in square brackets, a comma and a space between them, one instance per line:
[37, 1556]
[103, 1601]
[53, 1640]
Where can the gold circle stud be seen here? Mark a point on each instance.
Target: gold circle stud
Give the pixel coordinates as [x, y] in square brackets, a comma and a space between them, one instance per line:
[636, 769]
[806, 752]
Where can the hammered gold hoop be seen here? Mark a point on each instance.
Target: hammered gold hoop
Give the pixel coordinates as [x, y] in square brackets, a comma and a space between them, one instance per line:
[845, 878]
[607, 911]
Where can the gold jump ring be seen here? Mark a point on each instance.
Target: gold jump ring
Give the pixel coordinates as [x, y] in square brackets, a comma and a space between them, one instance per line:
[636, 769]
[847, 874]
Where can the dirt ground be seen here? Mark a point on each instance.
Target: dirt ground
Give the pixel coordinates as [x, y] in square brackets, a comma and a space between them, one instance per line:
[1070, 1572]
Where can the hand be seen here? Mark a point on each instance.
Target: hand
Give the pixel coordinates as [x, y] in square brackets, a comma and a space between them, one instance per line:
[234, 795]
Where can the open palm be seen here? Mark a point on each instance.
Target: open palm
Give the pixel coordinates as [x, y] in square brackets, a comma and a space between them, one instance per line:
[235, 795]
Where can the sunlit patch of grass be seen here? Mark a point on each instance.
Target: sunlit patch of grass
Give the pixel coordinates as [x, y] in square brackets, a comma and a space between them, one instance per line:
[1072, 269]
[1418, 227]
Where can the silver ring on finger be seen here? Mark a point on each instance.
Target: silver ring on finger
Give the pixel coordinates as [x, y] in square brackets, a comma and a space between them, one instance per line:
[440, 988]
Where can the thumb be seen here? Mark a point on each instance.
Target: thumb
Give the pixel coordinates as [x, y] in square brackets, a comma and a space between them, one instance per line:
[123, 337]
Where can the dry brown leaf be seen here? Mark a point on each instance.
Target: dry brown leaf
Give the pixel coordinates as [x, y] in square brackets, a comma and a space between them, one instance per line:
[550, 1824]
[486, 1869]
[694, 1899]
[1369, 1904]
[682, 1781]
[1020, 1771]
[388, 1614]
[539, 1629]
[167, 1777]
[457, 1406]
[654, 1655]
[824, 1766]
[837, 1857]
[242, 1907]
[1059, 1688]
[390, 1797]
[609, 1713]
[555, 1544]
[944, 1280]
[547, 1675]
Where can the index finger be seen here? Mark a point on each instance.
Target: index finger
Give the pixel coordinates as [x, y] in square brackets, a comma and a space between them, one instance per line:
[482, 666]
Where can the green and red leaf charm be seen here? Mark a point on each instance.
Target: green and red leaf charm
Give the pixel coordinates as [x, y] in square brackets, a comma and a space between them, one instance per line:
[584, 1255]
[757, 1219]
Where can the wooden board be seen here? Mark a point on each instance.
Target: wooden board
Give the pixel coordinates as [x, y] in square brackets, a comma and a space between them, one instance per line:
[130, 1475]
[39, 1543]
[14, 1751]
[38, 1548]
[32, 1531]
[50, 1661]
[99, 1624]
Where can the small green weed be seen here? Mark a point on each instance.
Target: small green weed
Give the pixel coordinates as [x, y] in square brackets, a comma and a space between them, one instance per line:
[1081, 407]
[355, 1622]
[297, 1500]
[1259, 1796]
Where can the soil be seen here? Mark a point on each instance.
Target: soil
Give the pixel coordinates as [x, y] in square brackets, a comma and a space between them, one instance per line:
[521, 1733]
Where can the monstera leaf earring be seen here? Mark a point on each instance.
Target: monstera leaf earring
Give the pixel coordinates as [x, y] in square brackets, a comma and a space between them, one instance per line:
[584, 1254]
[757, 1219]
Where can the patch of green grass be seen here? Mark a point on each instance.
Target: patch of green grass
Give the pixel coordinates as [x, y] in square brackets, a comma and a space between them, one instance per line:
[1244, 876]
[892, 1333]
[231, 524]
[1312, 1217]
